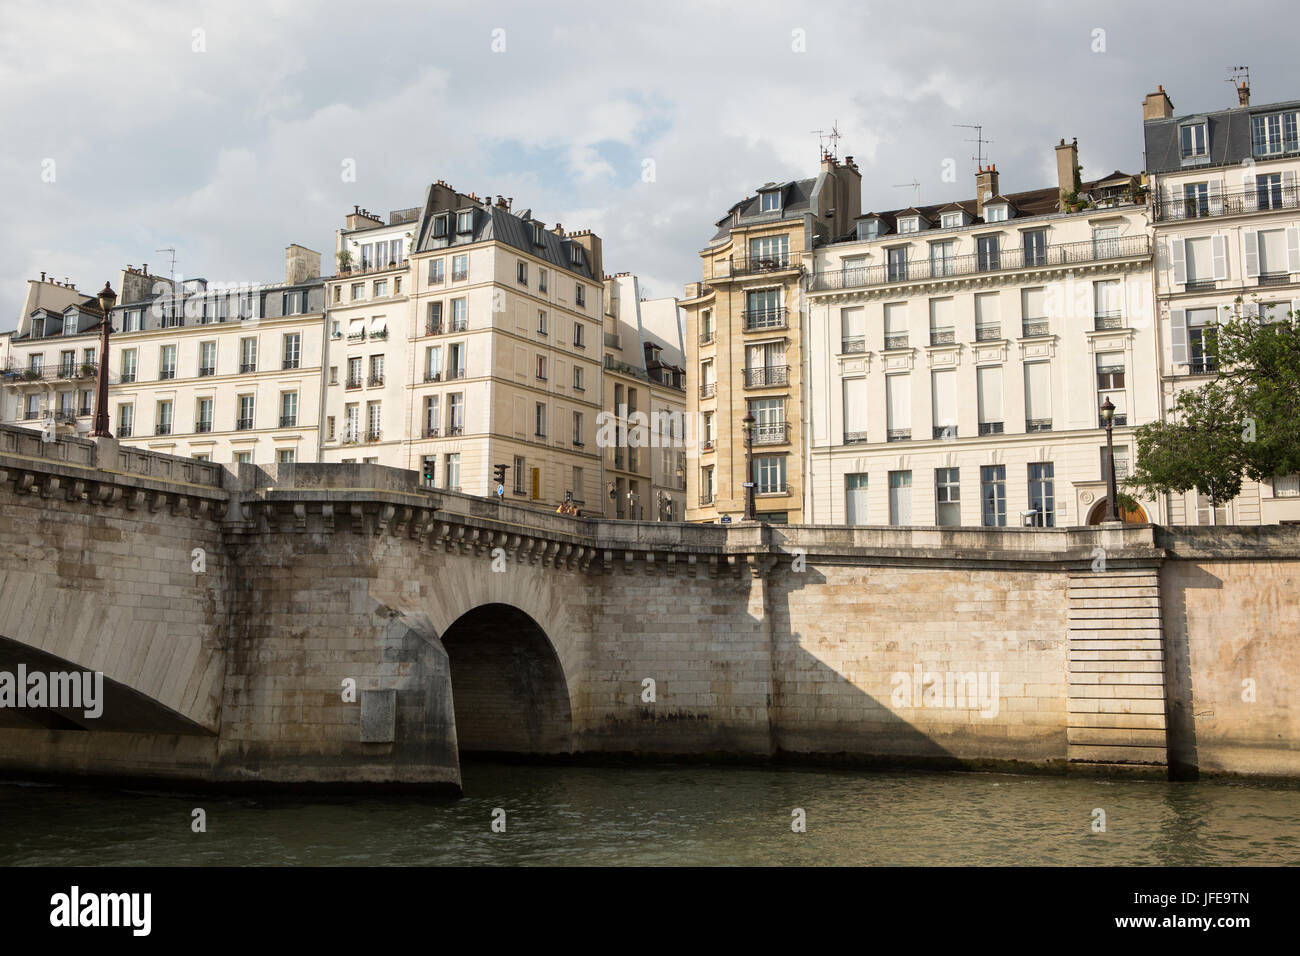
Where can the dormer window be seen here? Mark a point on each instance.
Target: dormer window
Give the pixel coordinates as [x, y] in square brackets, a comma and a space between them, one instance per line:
[465, 221]
[1193, 141]
[870, 229]
[997, 213]
[771, 201]
[1274, 133]
[70, 324]
[440, 224]
[575, 255]
[909, 224]
[538, 234]
[951, 220]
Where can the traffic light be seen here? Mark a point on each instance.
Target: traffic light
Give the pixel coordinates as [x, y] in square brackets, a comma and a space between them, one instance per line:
[499, 474]
[428, 469]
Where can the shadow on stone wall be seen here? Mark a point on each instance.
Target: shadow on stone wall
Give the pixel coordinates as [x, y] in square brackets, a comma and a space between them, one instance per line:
[1180, 702]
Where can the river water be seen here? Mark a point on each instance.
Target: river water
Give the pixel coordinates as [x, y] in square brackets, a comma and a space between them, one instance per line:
[670, 815]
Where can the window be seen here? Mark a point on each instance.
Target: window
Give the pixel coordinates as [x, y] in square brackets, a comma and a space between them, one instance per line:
[1205, 515]
[988, 252]
[769, 420]
[950, 220]
[988, 381]
[869, 229]
[167, 362]
[1200, 260]
[769, 475]
[358, 290]
[163, 424]
[437, 271]
[1274, 133]
[763, 309]
[1033, 312]
[440, 224]
[128, 365]
[295, 303]
[541, 367]
[771, 201]
[519, 472]
[1038, 397]
[1268, 191]
[896, 265]
[578, 484]
[580, 295]
[67, 362]
[539, 420]
[203, 415]
[248, 355]
[577, 379]
[433, 319]
[710, 431]
[579, 335]
[769, 252]
[942, 258]
[1274, 261]
[381, 288]
[243, 458]
[541, 322]
[354, 372]
[207, 358]
[459, 268]
[855, 410]
[1286, 486]
[1108, 305]
[367, 255]
[451, 471]
[125, 420]
[376, 370]
[285, 455]
[942, 321]
[374, 421]
[943, 391]
[456, 414]
[292, 349]
[334, 374]
[433, 363]
[1042, 494]
[706, 485]
[909, 224]
[1196, 200]
[456, 355]
[245, 419]
[577, 429]
[993, 495]
[1105, 242]
[351, 423]
[541, 280]
[288, 409]
[460, 315]
[1035, 246]
[947, 497]
[70, 324]
[855, 499]
[32, 407]
[329, 428]
[431, 416]
[133, 320]
[465, 221]
[521, 272]
[995, 213]
[898, 407]
[896, 325]
[35, 362]
[764, 364]
[900, 497]
[1110, 385]
[1192, 141]
[853, 330]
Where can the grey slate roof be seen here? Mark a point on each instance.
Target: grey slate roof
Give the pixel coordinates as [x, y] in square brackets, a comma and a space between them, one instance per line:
[796, 197]
[1228, 130]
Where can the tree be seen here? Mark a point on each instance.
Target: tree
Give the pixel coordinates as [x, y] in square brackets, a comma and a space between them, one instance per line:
[1244, 423]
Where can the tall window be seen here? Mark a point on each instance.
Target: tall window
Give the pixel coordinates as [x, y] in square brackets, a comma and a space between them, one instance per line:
[943, 257]
[943, 392]
[896, 264]
[853, 330]
[520, 474]
[437, 271]
[577, 428]
[579, 335]
[431, 419]
[993, 495]
[896, 325]
[459, 268]
[1038, 397]
[539, 419]
[376, 370]
[128, 365]
[855, 410]
[770, 252]
[456, 354]
[288, 409]
[451, 471]
[456, 414]
[706, 485]
[295, 303]
[1035, 246]
[898, 407]
[947, 496]
[207, 358]
[1110, 385]
[855, 498]
[167, 362]
[248, 355]
[374, 420]
[125, 420]
[433, 363]
[988, 381]
[900, 497]
[988, 252]
[351, 422]
[1274, 133]
[1268, 191]
[459, 315]
[245, 419]
[164, 423]
[1042, 494]
[1192, 141]
[292, 349]
[769, 475]
[203, 416]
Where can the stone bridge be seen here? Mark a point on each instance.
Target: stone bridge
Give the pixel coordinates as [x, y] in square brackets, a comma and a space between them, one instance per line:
[231, 610]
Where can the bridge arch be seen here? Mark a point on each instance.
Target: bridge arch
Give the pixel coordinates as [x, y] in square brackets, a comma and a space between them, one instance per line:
[507, 684]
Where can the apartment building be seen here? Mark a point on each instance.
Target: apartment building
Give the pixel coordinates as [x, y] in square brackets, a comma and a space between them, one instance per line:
[744, 340]
[1226, 227]
[211, 371]
[505, 353]
[959, 354]
[369, 361]
[644, 387]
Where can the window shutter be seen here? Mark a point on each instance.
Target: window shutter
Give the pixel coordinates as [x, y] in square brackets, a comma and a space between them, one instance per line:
[944, 393]
[899, 405]
[855, 404]
[1178, 253]
[1219, 245]
[1216, 197]
[1178, 335]
[990, 393]
[1038, 393]
[1288, 189]
[1293, 249]
[1250, 240]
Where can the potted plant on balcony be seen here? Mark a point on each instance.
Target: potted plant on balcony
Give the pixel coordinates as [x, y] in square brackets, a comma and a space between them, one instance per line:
[345, 262]
[31, 374]
[87, 370]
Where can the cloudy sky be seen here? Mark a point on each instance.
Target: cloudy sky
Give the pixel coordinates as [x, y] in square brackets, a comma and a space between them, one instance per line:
[223, 129]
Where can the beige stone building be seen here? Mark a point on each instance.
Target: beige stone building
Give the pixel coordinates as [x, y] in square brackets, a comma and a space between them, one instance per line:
[1227, 227]
[959, 353]
[644, 387]
[745, 348]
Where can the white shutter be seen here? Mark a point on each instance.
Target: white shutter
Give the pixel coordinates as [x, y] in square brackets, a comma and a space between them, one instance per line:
[943, 390]
[1216, 198]
[896, 318]
[1178, 253]
[1250, 240]
[986, 308]
[1038, 391]
[990, 393]
[898, 402]
[855, 405]
[1219, 245]
[1173, 194]
[853, 322]
[941, 313]
[1034, 303]
[1292, 249]
[1288, 189]
[1178, 335]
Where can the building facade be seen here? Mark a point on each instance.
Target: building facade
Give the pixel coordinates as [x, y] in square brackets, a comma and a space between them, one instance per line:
[1227, 228]
[959, 354]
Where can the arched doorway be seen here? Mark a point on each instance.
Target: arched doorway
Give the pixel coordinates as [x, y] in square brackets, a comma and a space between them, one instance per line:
[1129, 513]
[507, 685]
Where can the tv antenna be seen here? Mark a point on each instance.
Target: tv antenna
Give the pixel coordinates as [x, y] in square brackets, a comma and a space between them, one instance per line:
[912, 185]
[979, 141]
[831, 136]
[1238, 73]
[172, 269]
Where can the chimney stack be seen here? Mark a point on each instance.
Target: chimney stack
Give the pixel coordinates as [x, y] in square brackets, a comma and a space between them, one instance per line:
[1243, 94]
[1067, 170]
[1157, 105]
[300, 264]
[986, 186]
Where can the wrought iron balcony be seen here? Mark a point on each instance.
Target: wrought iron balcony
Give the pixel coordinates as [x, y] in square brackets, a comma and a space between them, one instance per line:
[706, 337]
[1036, 328]
[433, 328]
[1119, 419]
[1038, 425]
[374, 381]
[128, 377]
[754, 265]
[431, 431]
[1274, 278]
[374, 434]
[946, 432]
[943, 336]
[167, 373]
[288, 421]
[1203, 366]
[990, 428]
[855, 438]
[766, 376]
[124, 431]
[852, 344]
[163, 428]
[1259, 199]
[772, 433]
[432, 376]
[379, 335]
[706, 497]
[244, 424]
[760, 319]
[460, 325]
[896, 341]
[708, 390]
[455, 373]
[1200, 285]
[289, 364]
[353, 383]
[1063, 254]
[247, 367]
[203, 426]
[206, 370]
[988, 333]
[454, 430]
[898, 434]
[357, 336]
[1107, 320]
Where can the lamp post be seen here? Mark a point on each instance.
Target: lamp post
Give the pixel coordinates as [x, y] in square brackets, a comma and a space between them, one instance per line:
[1112, 492]
[107, 299]
[748, 422]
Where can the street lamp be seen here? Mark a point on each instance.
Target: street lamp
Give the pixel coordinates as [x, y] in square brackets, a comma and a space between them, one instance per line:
[1112, 492]
[107, 299]
[748, 422]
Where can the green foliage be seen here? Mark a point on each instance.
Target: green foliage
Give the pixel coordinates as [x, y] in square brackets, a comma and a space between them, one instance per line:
[1200, 448]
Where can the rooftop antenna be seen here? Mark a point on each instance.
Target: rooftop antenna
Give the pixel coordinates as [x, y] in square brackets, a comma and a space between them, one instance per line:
[1237, 74]
[172, 270]
[979, 141]
[831, 136]
[914, 185]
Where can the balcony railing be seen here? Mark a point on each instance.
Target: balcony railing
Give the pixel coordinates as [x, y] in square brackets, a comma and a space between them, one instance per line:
[1036, 328]
[766, 376]
[1274, 278]
[1203, 366]
[203, 426]
[460, 325]
[374, 434]
[454, 430]
[1062, 254]
[247, 367]
[357, 336]
[374, 381]
[65, 416]
[432, 376]
[167, 373]
[772, 433]
[757, 319]
[124, 431]
[84, 410]
[455, 373]
[898, 434]
[944, 336]
[1227, 204]
[207, 370]
[852, 344]
[378, 335]
[289, 363]
[1200, 285]
[128, 377]
[708, 390]
[1038, 425]
[706, 497]
[244, 425]
[855, 438]
[946, 432]
[431, 431]
[163, 428]
[353, 383]
[1107, 320]
[433, 327]
[990, 428]
[1119, 419]
[288, 421]
[896, 341]
[706, 337]
[753, 265]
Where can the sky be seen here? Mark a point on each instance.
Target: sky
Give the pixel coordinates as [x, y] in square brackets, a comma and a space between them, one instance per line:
[230, 130]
